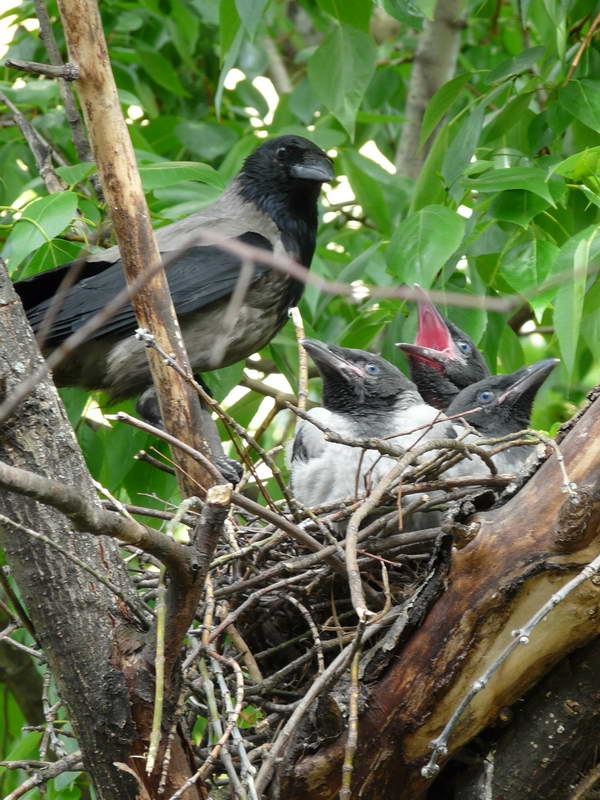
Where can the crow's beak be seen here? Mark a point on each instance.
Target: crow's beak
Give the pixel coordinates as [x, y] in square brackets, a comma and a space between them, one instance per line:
[315, 167]
[325, 358]
[529, 378]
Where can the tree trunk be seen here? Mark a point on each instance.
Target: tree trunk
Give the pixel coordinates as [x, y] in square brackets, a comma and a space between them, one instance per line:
[434, 65]
[76, 618]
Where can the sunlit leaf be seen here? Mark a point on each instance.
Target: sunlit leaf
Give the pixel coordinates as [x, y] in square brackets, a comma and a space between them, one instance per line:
[41, 221]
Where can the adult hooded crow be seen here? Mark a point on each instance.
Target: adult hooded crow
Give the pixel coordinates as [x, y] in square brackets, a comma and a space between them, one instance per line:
[271, 204]
[499, 405]
[363, 396]
[443, 359]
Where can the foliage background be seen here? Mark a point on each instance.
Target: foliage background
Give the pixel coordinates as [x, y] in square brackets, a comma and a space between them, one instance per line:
[506, 203]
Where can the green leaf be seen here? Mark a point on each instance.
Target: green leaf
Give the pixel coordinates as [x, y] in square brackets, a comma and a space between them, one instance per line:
[506, 118]
[516, 65]
[427, 7]
[230, 51]
[184, 28]
[580, 165]
[463, 145]
[582, 100]
[251, 13]
[572, 266]
[41, 220]
[340, 71]
[440, 103]
[404, 11]
[499, 180]
[368, 190]
[167, 173]
[77, 172]
[229, 26]
[161, 71]
[209, 140]
[357, 14]
[430, 188]
[527, 263]
[423, 243]
[518, 206]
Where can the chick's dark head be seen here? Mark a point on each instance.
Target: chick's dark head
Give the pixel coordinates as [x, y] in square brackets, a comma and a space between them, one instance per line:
[502, 404]
[443, 359]
[357, 382]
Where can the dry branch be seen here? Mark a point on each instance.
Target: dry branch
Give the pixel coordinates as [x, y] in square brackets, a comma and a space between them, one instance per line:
[124, 194]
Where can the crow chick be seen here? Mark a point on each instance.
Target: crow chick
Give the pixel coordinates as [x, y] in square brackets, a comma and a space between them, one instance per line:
[497, 406]
[363, 396]
[271, 204]
[443, 359]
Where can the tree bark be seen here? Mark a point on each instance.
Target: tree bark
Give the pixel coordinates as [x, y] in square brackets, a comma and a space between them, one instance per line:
[523, 553]
[551, 740]
[434, 64]
[75, 617]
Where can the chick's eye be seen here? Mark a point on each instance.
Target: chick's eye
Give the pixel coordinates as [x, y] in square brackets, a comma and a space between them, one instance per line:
[372, 369]
[464, 347]
[281, 152]
[485, 397]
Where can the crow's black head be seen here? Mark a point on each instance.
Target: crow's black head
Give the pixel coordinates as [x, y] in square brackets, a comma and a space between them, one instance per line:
[443, 359]
[359, 383]
[501, 404]
[283, 178]
[292, 162]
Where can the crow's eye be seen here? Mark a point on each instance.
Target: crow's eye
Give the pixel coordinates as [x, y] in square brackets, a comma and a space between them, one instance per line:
[281, 152]
[485, 397]
[372, 369]
[464, 347]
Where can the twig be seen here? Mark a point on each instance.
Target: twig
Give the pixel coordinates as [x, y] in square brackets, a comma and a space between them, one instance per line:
[80, 140]
[230, 423]
[121, 416]
[352, 739]
[585, 43]
[68, 71]
[40, 149]
[588, 782]
[374, 499]
[302, 358]
[520, 637]
[91, 517]
[313, 629]
[69, 763]
[248, 770]
[18, 608]
[254, 597]
[159, 671]
[320, 685]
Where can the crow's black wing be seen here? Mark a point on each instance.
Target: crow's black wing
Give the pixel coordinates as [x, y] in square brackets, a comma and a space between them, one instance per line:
[198, 277]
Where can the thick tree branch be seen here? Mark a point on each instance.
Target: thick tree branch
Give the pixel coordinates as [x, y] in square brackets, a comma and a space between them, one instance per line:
[92, 518]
